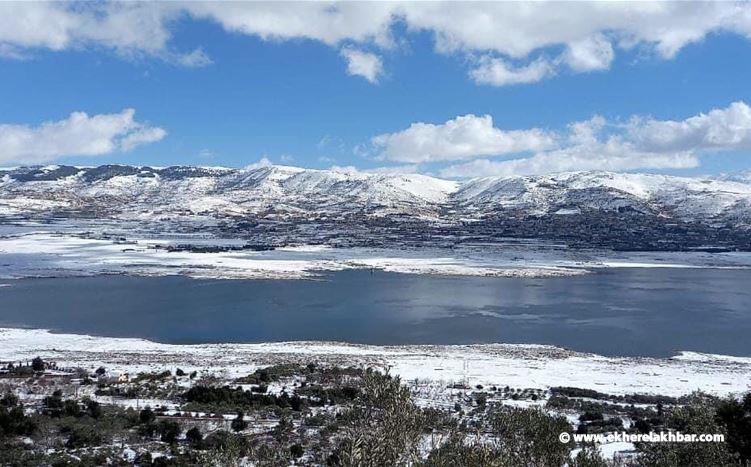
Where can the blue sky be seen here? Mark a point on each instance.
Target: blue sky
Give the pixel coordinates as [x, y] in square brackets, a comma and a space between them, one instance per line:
[290, 99]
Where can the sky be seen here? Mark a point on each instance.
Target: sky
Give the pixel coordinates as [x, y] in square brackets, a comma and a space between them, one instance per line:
[455, 90]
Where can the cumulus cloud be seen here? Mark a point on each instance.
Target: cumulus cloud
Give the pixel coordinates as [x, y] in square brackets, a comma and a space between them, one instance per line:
[589, 33]
[596, 144]
[728, 128]
[195, 59]
[498, 72]
[590, 53]
[606, 156]
[386, 170]
[143, 135]
[364, 64]
[130, 29]
[464, 137]
[77, 135]
[264, 161]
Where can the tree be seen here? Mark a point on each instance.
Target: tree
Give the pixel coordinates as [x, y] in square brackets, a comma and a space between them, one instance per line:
[37, 364]
[589, 456]
[83, 435]
[194, 437]
[13, 421]
[54, 404]
[169, 431]
[93, 408]
[283, 429]
[146, 416]
[736, 416]
[71, 408]
[699, 416]
[296, 451]
[239, 423]
[100, 371]
[529, 436]
[384, 428]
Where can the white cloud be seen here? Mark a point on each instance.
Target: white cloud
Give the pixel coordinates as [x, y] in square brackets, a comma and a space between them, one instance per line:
[329, 22]
[642, 143]
[364, 64]
[590, 33]
[498, 72]
[128, 28]
[141, 136]
[516, 29]
[264, 161]
[599, 157]
[385, 170]
[728, 128]
[78, 135]
[395, 169]
[463, 137]
[206, 153]
[196, 59]
[588, 54]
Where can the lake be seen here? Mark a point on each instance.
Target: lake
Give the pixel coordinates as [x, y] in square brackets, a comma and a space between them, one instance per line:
[630, 311]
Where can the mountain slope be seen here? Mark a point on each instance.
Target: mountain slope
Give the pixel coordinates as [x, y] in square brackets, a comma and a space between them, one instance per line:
[685, 198]
[219, 191]
[116, 190]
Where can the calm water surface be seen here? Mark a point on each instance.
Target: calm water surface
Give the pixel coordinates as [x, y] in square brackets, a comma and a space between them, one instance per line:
[651, 312]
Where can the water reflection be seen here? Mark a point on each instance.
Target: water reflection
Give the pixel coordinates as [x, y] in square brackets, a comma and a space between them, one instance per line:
[613, 312]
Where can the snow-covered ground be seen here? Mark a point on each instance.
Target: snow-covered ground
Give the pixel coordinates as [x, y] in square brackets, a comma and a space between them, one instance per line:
[48, 253]
[521, 366]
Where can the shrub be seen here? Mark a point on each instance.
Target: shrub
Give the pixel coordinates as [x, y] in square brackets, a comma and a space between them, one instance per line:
[530, 436]
[82, 435]
[168, 431]
[93, 408]
[384, 428]
[699, 417]
[13, 421]
[239, 423]
[194, 437]
[37, 364]
[146, 416]
[736, 416]
[296, 451]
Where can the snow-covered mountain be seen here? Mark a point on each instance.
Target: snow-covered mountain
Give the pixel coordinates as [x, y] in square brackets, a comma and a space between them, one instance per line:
[219, 191]
[115, 190]
[682, 197]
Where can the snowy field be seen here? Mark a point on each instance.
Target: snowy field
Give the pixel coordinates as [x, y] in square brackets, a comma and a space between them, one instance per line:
[48, 253]
[522, 366]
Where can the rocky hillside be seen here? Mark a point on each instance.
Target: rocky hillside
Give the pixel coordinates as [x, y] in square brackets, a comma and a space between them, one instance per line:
[116, 190]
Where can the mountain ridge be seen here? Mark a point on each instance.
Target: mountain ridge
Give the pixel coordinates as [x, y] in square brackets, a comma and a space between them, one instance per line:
[220, 191]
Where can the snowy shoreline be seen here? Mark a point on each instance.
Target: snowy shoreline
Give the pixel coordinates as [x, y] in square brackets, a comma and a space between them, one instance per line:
[55, 254]
[516, 365]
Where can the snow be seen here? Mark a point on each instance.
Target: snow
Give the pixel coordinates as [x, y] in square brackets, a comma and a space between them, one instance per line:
[45, 253]
[609, 450]
[521, 366]
[688, 197]
[235, 192]
[568, 211]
